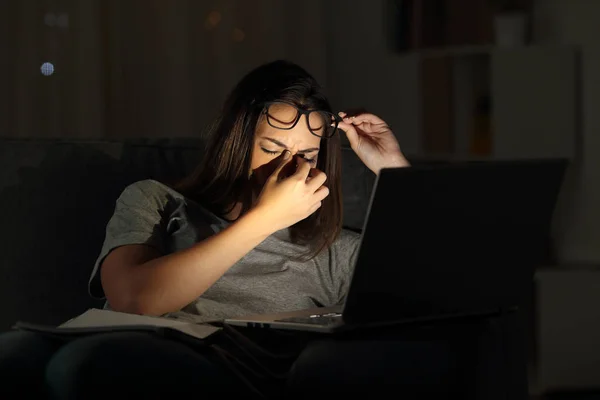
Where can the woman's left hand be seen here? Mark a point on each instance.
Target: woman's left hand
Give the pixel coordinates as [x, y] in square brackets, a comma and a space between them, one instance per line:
[373, 141]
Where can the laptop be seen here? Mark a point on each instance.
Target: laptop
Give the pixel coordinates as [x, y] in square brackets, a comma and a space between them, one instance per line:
[442, 241]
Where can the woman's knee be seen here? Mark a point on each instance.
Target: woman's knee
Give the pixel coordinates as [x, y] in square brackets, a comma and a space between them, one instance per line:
[22, 349]
[23, 359]
[16, 342]
[358, 366]
[138, 363]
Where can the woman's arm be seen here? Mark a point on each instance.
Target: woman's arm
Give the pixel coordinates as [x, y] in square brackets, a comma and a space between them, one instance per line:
[136, 279]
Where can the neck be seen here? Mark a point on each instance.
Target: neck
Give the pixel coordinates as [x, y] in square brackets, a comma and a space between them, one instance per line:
[238, 208]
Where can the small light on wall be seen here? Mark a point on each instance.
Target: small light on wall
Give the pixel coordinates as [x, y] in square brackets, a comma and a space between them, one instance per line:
[212, 20]
[47, 69]
[238, 35]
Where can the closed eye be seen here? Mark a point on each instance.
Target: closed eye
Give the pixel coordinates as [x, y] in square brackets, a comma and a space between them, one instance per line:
[269, 151]
[310, 160]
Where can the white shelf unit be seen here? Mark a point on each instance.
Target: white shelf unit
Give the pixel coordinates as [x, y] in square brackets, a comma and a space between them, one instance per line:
[532, 93]
[566, 330]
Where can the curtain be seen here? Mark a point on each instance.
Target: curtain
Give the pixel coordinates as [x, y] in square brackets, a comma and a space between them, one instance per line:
[144, 68]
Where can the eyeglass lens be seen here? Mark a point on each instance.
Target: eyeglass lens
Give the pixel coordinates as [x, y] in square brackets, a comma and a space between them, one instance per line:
[285, 116]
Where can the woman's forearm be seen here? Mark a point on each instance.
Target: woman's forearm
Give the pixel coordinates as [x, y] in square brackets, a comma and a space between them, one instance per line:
[168, 283]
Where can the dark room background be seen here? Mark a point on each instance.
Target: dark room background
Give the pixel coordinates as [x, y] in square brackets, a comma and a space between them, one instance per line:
[117, 69]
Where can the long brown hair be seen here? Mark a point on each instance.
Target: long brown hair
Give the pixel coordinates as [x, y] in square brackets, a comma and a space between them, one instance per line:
[221, 179]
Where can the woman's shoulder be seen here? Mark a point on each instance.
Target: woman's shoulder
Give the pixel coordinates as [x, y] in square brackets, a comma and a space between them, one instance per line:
[347, 239]
[148, 191]
[349, 233]
[155, 196]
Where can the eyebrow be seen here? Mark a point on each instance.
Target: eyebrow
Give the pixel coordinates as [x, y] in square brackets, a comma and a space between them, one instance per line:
[278, 143]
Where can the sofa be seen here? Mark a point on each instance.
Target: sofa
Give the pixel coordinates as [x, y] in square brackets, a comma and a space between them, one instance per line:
[56, 197]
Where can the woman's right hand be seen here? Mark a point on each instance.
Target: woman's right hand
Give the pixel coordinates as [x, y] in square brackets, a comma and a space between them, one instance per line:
[285, 201]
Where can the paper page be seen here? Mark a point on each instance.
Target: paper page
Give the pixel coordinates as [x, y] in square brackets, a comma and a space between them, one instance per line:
[96, 318]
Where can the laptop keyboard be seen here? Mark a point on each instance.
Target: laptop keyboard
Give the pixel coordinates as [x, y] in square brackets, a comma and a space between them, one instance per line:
[317, 319]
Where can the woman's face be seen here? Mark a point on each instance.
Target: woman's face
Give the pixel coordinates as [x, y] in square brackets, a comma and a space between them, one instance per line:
[270, 142]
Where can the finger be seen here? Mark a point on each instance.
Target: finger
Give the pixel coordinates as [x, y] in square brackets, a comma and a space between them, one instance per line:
[313, 172]
[366, 117]
[350, 132]
[303, 169]
[321, 193]
[314, 207]
[342, 114]
[285, 158]
[317, 180]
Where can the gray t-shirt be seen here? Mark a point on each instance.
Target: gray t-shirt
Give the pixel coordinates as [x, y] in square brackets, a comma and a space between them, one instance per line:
[270, 278]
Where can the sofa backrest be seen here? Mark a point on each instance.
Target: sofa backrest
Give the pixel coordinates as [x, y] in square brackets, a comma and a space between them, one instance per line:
[56, 197]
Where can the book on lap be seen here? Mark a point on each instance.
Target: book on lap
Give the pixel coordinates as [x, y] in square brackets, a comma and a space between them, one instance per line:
[105, 321]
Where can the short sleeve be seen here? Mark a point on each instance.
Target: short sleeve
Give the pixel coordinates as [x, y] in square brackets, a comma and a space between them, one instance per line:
[137, 219]
[343, 257]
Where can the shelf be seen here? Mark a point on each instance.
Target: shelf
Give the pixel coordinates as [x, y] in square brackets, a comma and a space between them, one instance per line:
[445, 158]
[488, 103]
[466, 51]
[457, 51]
[448, 158]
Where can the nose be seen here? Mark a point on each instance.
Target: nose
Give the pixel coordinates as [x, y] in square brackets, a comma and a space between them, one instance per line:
[294, 150]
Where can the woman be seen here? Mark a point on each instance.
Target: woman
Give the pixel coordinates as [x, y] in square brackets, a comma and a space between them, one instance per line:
[256, 229]
[218, 245]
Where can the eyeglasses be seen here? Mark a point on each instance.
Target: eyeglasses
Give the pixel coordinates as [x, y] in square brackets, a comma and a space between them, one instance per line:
[283, 115]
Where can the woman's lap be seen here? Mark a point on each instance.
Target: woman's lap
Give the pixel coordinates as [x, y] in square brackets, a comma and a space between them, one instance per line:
[103, 365]
[446, 360]
[148, 365]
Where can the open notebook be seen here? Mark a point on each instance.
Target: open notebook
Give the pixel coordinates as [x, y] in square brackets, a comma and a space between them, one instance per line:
[102, 321]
